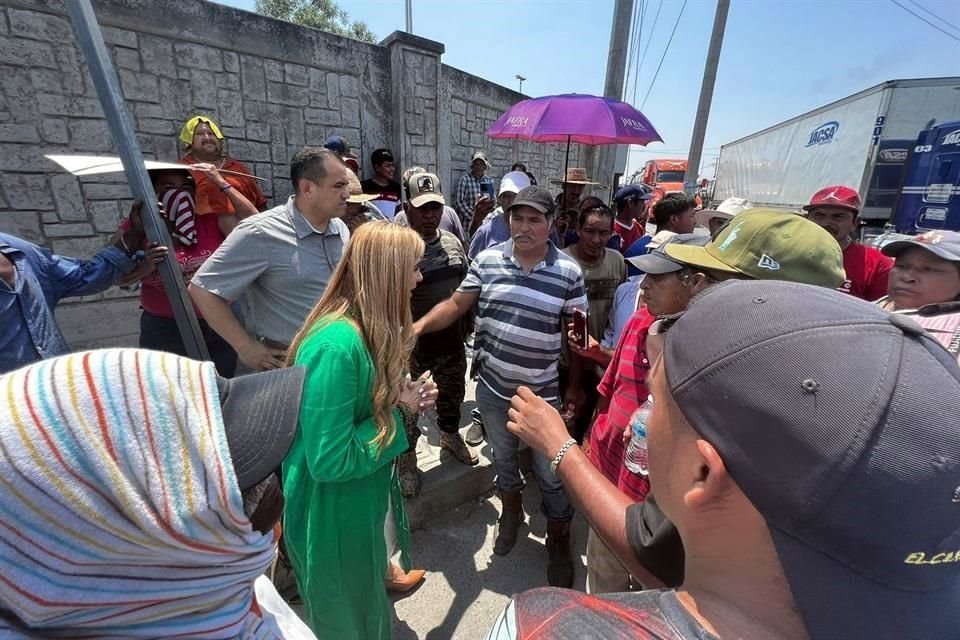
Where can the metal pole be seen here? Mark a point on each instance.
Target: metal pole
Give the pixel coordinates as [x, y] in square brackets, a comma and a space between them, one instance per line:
[600, 161]
[105, 80]
[409, 14]
[706, 97]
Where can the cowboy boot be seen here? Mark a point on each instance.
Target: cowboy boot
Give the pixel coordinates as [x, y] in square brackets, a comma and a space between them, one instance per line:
[509, 522]
[560, 561]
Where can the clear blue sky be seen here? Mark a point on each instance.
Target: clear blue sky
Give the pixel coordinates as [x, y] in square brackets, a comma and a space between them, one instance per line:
[779, 59]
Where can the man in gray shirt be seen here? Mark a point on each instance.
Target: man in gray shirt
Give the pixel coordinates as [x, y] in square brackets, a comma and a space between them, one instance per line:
[281, 258]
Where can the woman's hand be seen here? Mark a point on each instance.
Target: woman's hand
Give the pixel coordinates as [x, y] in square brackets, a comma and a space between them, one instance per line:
[420, 394]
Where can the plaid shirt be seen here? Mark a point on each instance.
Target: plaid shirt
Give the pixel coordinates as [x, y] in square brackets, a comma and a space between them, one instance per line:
[468, 191]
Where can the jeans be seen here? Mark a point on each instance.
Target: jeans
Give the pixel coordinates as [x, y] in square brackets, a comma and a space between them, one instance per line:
[161, 334]
[555, 504]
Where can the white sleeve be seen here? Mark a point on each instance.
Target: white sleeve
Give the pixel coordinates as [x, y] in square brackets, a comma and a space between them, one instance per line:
[505, 626]
[278, 614]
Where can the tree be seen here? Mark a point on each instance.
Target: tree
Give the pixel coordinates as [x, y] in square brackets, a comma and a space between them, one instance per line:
[319, 14]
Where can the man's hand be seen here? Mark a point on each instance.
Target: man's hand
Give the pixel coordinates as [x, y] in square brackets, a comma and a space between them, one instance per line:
[594, 352]
[259, 356]
[574, 399]
[534, 421]
[483, 206]
[211, 172]
[154, 255]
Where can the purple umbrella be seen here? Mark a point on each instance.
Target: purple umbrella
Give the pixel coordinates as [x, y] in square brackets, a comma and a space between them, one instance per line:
[574, 117]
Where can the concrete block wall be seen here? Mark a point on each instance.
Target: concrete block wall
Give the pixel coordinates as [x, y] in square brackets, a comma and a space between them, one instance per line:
[272, 86]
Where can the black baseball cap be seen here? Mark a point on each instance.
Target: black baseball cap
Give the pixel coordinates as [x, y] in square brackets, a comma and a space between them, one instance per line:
[658, 262]
[839, 423]
[380, 156]
[536, 197]
[260, 412]
[338, 145]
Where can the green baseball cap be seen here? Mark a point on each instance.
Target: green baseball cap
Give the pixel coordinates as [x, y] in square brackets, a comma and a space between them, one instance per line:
[764, 244]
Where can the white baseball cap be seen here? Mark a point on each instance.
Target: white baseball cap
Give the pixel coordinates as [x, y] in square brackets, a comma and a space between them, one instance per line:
[727, 209]
[513, 182]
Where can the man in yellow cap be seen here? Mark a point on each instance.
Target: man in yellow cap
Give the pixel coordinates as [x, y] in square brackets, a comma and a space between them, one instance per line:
[230, 197]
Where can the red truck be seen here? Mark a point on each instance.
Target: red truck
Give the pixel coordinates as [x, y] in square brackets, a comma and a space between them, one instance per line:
[663, 176]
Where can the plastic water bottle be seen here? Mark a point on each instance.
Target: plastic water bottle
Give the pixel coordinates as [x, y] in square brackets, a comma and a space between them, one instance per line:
[635, 457]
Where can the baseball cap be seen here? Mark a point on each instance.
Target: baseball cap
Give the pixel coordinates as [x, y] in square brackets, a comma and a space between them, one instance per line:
[943, 244]
[480, 155]
[380, 156]
[513, 182]
[727, 209]
[337, 145]
[422, 188]
[657, 262]
[764, 244]
[835, 196]
[838, 422]
[260, 413]
[537, 197]
[632, 191]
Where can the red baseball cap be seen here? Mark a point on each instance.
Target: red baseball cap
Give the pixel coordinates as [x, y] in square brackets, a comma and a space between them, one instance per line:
[837, 195]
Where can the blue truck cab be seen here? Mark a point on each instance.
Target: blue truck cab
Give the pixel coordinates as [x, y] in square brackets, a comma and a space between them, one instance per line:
[930, 196]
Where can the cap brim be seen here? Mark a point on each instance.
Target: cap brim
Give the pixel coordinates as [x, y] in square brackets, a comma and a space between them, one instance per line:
[563, 182]
[423, 199]
[811, 207]
[261, 412]
[484, 160]
[533, 205]
[897, 247]
[697, 257]
[361, 198]
[836, 602]
[655, 264]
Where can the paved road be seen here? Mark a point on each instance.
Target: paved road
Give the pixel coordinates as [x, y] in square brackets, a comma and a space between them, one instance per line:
[467, 585]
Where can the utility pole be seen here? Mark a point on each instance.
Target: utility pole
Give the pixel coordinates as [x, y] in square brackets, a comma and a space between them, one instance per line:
[409, 14]
[706, 97]
[601, 161]
[521, 79]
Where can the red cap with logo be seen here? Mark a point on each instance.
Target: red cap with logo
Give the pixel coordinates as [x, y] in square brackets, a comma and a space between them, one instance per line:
[835, 196]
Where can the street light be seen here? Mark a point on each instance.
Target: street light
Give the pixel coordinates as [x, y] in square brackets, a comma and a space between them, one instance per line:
[521, 79]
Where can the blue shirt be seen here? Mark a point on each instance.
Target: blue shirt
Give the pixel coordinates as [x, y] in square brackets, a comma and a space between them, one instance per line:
[28, 328]
[624, 306]
[521, 318]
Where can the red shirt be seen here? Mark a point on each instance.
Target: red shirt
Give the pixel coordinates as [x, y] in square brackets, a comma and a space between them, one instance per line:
[624, 385]
[628, 235]
[153, 295]
[868, 271]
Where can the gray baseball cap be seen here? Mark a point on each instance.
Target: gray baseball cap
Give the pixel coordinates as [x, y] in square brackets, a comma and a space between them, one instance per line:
[658, 262]
[943, 244]
[839, 422]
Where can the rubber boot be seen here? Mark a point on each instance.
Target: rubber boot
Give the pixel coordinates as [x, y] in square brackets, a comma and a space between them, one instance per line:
[509, 522]
[560, 561]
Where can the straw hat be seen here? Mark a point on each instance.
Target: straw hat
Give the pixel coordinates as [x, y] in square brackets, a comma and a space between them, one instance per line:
[357, 196]
[729, 208]
[575, 175]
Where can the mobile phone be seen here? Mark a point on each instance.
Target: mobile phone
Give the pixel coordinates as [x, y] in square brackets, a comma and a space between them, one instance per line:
[486, 189]
[580, 328]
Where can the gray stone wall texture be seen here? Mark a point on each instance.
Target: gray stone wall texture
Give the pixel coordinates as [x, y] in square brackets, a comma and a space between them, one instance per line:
[272, 86]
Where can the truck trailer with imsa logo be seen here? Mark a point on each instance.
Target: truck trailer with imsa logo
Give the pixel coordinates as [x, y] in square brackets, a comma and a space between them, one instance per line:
[863, 141]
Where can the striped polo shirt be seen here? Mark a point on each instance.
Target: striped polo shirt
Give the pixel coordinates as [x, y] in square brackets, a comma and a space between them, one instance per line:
[521, 318]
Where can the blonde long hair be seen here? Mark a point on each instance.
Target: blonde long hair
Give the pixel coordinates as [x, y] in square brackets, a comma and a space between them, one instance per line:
[371, 288]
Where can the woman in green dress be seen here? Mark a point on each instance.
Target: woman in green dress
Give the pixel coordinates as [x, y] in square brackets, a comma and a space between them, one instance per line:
[339, 479]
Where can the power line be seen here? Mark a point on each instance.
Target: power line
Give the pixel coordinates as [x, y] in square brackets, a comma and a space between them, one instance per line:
[919, 17]
[663, 57]
[633, 48]
[931, 13]
[633, 101]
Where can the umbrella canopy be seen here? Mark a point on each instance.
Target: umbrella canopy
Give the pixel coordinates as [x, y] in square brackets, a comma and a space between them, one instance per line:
[575, 117]
[95, 165]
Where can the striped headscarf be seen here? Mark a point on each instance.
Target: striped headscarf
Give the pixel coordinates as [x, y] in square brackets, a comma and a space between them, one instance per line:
[120, 514]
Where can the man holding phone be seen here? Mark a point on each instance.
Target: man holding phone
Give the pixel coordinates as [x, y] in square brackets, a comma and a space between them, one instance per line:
[527, 291]
[474, 186]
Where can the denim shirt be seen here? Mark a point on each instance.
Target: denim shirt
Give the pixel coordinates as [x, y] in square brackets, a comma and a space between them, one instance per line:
[28, 328]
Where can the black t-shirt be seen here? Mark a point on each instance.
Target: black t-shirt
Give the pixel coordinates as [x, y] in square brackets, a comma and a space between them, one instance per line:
[561, 614]
[443, 267]
[385, 192]
[655, 541]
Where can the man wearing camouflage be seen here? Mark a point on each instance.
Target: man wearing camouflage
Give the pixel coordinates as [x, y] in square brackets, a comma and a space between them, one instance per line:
[444, 265]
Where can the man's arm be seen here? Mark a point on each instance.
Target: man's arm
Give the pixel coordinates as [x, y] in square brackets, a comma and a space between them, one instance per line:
[218, 314]
[446, 313]
[539, 425]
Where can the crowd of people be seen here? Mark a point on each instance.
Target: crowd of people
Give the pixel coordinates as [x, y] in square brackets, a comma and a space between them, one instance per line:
[755, 412]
